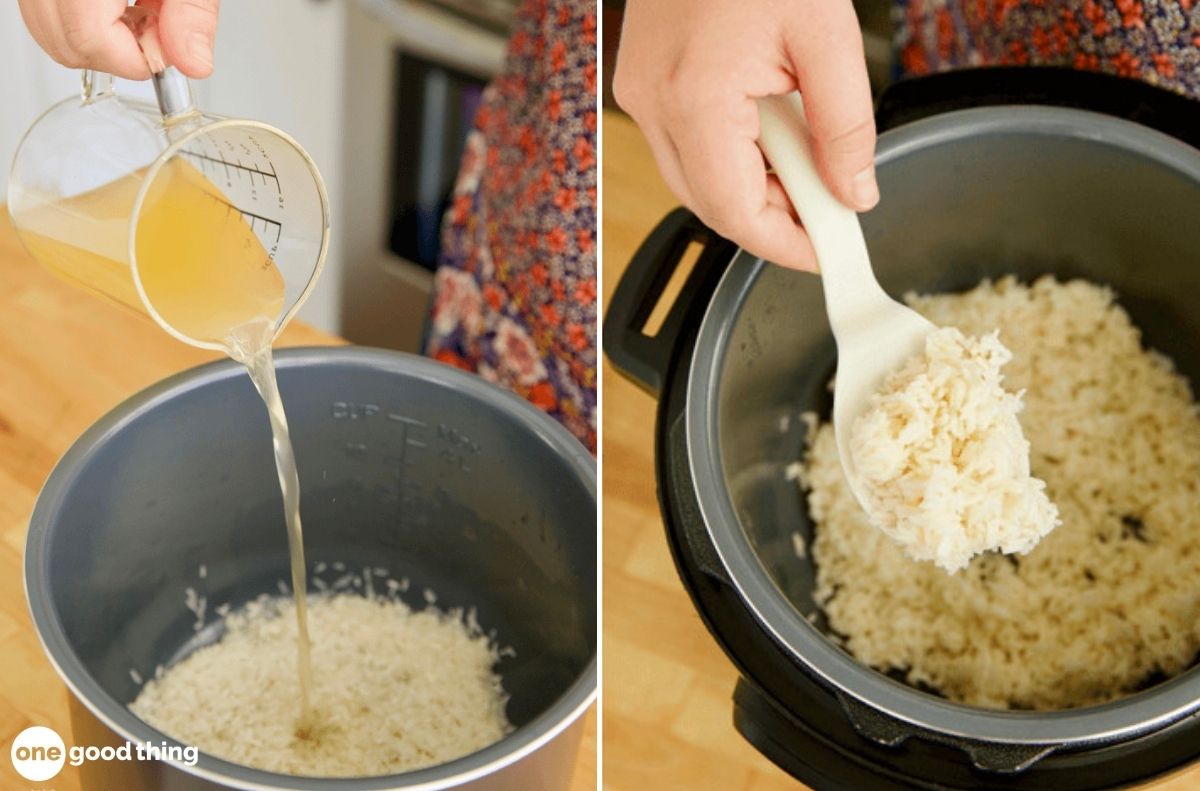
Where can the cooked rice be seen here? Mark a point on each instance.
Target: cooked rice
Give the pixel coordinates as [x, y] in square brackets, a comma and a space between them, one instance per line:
[393, 689]
[1102, 604]
[942, 463]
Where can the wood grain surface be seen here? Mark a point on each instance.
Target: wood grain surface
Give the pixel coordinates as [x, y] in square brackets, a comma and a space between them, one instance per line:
[66, 358]
[667, 686]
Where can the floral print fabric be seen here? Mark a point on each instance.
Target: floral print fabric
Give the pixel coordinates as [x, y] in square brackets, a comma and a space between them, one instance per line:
[1157, 41]
[515, 290]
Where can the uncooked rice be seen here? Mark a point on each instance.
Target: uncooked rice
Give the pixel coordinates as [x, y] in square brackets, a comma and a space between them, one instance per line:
[393, 689]
[942, 464]
[1103, 604]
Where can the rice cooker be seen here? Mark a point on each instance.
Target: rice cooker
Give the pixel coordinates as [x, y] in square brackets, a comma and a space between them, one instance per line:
[984, 173]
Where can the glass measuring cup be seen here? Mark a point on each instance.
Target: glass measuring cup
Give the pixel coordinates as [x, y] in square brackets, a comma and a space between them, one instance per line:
[195, 220]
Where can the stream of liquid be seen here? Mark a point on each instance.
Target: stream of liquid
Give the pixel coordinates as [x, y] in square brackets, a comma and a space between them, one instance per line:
[208, 276]
[251, 346]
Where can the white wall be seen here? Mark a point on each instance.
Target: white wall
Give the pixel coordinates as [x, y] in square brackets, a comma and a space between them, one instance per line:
[282, 61]
[279, 61]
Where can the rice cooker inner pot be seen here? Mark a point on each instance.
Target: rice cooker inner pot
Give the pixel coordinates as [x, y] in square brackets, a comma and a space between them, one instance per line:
[972, 194]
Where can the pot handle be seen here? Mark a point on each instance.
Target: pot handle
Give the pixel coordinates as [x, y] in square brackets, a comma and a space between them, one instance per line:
[996, 758]
[915, 98]
[643, 358]
[681, 512]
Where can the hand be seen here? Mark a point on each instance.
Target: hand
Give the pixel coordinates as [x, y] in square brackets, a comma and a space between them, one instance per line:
[90, 34]
[688, 72]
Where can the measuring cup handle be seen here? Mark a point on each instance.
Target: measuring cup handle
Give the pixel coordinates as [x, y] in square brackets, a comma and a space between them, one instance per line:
[173, 90]
[95, 84]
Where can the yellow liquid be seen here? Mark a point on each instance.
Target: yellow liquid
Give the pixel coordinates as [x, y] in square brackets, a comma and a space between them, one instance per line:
[251, 346]
[208, 276]
[202, 268]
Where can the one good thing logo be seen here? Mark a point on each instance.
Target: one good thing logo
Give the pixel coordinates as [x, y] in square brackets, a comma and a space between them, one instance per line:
[38, 753]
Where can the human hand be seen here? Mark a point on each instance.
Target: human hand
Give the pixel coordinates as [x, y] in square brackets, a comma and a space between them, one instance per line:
[689, 71]
[90, 34]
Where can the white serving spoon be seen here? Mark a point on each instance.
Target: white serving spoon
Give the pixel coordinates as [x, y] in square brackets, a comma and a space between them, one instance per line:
[875, 334]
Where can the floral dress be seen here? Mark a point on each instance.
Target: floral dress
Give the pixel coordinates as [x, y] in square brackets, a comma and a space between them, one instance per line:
[515, 290]
[1157, 41]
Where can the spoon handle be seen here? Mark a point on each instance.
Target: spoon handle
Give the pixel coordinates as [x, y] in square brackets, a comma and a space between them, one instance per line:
[852, 294]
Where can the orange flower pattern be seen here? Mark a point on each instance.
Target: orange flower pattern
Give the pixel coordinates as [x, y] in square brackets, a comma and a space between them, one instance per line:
[515, 291]
[1157, 41]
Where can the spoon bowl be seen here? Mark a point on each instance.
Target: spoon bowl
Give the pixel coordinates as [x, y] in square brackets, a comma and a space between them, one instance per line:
[875, 334]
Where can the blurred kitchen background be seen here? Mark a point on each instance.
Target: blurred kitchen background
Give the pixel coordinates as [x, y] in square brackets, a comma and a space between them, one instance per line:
[380, 92]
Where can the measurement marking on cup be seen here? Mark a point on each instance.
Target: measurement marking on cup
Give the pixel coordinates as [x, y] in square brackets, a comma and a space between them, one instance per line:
[250, 218]
[249, 170]
[206, 160]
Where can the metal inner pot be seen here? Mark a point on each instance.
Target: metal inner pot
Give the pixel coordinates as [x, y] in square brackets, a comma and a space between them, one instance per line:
[404, 463]
[968, 195]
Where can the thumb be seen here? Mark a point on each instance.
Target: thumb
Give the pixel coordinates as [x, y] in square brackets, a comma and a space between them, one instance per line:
[832, 74]
[187, 29]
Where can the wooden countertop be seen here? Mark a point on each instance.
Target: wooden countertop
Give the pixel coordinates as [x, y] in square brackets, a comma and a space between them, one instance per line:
[66, 358]
[668, 716]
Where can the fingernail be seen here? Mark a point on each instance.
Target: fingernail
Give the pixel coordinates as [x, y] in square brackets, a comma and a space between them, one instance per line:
[200, 49]
[864, 189]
